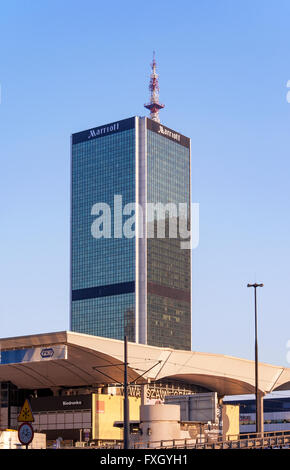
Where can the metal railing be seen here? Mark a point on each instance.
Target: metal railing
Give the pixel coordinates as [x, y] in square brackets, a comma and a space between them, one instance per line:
[236, 441]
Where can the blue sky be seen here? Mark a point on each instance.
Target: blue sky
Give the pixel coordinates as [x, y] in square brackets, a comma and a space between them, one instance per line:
[70, 65]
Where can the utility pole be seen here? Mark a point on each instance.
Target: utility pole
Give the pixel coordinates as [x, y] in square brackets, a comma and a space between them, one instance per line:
[125, 384]
[126, 400]
[256, 358]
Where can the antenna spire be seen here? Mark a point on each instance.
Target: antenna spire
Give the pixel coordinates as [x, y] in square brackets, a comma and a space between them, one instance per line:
[154, 106]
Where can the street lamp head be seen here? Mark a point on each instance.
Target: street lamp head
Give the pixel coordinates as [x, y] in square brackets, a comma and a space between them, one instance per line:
[255, 285]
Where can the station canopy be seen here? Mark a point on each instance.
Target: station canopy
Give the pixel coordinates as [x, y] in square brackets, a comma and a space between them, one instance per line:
[69, 359]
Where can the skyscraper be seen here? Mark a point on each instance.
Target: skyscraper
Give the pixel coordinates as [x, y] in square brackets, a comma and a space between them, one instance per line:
[131, 276]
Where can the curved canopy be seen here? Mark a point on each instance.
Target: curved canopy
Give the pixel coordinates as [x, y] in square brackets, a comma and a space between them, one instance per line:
[91, 360]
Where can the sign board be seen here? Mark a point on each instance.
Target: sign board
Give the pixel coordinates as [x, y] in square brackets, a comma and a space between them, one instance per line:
[46, 353]
[100, 406]
[25, 433]
[25, 414]
[76, 402]
[168, 133]
[102, 131]
[199, 407]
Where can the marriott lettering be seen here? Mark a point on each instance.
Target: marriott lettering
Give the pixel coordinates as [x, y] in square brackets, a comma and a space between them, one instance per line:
[168, 133]
[103, 130]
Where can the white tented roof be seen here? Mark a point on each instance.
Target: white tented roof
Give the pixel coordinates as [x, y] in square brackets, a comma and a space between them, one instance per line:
[92, 360]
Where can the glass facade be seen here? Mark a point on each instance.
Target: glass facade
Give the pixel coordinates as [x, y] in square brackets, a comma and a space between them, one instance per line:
[106, 316]
[139, 160]
[276, 414]
[102, 269]
[168, 265]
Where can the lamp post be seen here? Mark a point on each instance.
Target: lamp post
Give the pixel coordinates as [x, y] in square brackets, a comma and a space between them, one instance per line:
[256, 358]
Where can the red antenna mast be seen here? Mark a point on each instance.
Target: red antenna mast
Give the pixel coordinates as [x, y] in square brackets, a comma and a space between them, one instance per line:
[154, 106]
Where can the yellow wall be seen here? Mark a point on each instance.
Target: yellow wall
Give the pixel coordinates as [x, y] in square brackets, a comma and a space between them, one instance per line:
[106, 409]
[231, 421]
